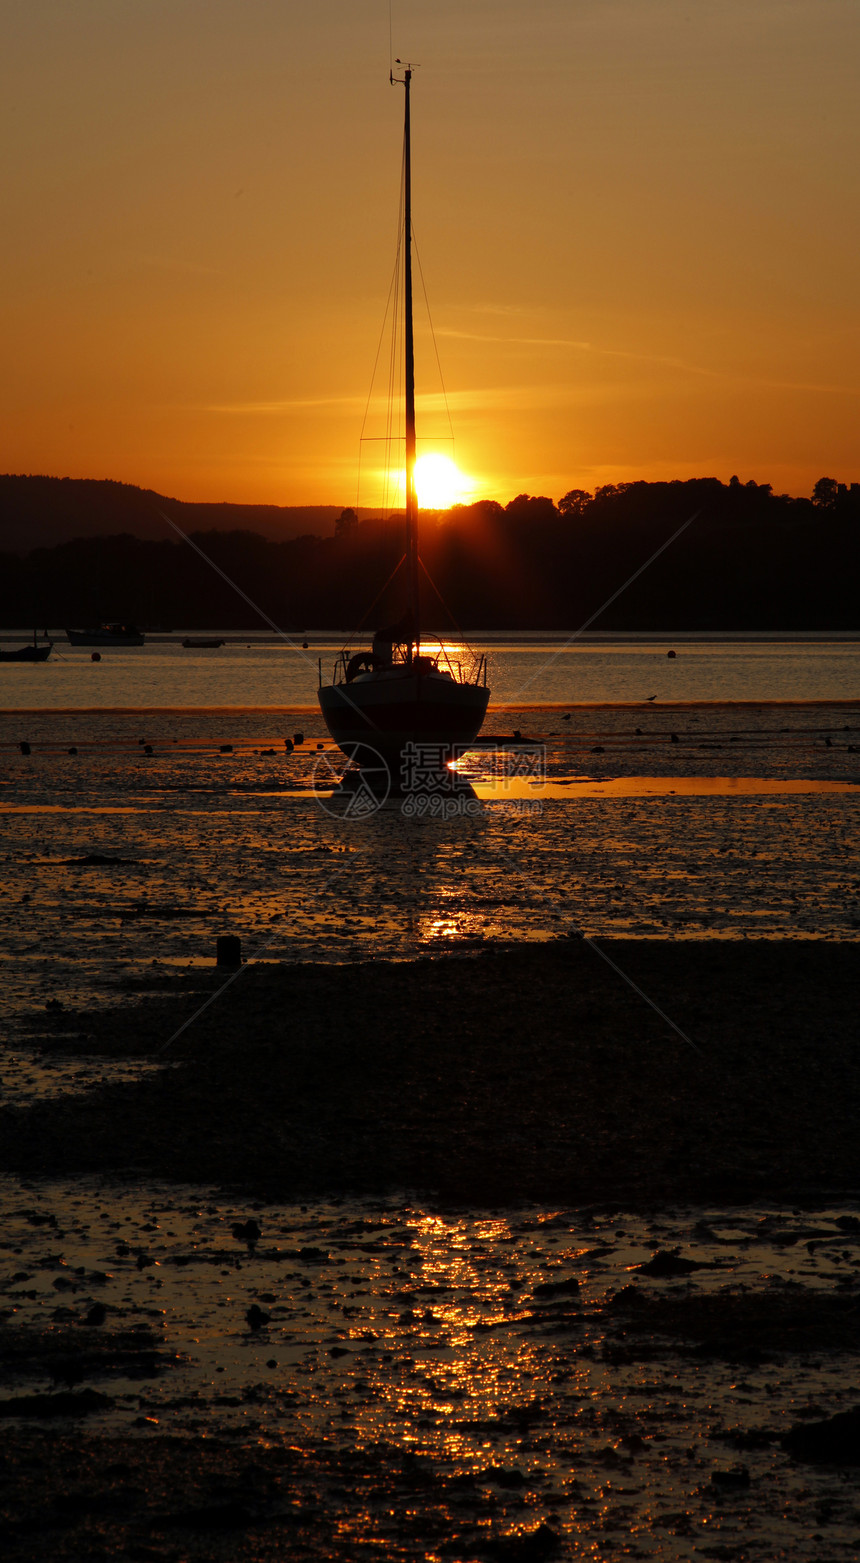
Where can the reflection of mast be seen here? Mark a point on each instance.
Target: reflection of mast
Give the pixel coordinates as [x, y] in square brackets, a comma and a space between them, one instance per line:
[411, 501]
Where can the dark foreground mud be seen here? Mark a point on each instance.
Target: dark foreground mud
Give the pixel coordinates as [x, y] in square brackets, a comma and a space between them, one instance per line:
[516, 1074]
[473, 1260]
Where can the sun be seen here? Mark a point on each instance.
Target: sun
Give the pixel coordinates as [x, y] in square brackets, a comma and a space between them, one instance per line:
[438, 481]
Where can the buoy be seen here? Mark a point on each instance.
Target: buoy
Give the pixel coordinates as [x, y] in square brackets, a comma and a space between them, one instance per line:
[226, 749]
[73, 751]
[288, 745]
[671, 653]
[95, 656]
[298, 738]
[228, 950]
[673, 738]
[24, 747]
[147, 748]
[304, 645]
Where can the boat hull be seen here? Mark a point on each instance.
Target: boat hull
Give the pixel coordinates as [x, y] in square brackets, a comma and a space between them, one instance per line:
[27, 654]
[371, 717]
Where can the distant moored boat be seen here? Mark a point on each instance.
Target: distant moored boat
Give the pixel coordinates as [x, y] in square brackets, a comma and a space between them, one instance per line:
[34, 653]
[107, 635]
[196, 643]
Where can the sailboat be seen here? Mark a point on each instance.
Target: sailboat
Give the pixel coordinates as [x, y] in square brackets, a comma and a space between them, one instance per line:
[34, 653]
[401, 692]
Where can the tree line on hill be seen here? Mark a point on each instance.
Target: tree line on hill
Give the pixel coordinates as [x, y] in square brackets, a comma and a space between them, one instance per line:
[748, 560]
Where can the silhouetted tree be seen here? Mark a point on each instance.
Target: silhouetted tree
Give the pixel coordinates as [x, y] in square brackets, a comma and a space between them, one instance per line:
[612, 490]
[346, 522]
[530, 507]
[753, 560]
[573, 502]
[825, 492]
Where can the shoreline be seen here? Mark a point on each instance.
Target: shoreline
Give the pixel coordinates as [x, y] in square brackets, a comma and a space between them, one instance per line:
[842, 702]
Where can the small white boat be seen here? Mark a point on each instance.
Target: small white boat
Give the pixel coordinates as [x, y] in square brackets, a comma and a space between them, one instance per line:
[107, 635]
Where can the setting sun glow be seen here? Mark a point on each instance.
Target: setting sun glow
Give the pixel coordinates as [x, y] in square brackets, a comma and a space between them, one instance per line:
[438, 482]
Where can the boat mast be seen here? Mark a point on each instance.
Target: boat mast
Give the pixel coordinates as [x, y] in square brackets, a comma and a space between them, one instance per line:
[411, 499]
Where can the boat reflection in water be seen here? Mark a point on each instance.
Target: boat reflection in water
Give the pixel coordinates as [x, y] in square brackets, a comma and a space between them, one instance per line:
[419, 781]
[399, 696]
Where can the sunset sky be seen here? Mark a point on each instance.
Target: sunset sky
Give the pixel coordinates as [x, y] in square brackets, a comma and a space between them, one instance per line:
[638, 222]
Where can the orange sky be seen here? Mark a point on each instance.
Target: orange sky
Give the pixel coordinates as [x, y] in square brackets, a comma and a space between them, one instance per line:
[638, 221]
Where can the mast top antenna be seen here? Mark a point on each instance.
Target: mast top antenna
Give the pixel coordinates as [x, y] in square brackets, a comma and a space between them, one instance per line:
[407, 67]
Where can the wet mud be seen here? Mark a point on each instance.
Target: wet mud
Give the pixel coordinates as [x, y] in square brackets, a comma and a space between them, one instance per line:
[115, 859]
[517, 1073]
[477, 1256]
[424, 1385]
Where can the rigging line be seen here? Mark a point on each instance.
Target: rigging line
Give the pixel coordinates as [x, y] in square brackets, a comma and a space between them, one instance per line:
[392, 289]
[433, 338]
[379, 343]
[368, 611]
[395, 320]
[257, 609]
[389, 392]
[458, 627]
[390, 395]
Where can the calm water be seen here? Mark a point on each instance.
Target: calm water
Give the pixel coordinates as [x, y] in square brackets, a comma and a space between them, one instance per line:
[523, 670]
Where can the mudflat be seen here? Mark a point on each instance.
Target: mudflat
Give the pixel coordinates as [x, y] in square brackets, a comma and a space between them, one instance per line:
[516, 1073]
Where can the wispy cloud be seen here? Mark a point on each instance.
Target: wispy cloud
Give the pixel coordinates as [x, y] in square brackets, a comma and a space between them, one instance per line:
[663, 361]
[494, 397]
[294, 404]
[521, 397]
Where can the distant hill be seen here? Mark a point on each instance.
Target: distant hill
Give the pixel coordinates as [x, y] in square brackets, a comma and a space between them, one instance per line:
[39, 512]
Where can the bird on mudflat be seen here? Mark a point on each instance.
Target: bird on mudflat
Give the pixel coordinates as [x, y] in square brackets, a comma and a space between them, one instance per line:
[650, 697]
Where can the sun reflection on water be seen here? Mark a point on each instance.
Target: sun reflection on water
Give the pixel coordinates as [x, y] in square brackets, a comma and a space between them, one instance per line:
[404, 1334]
